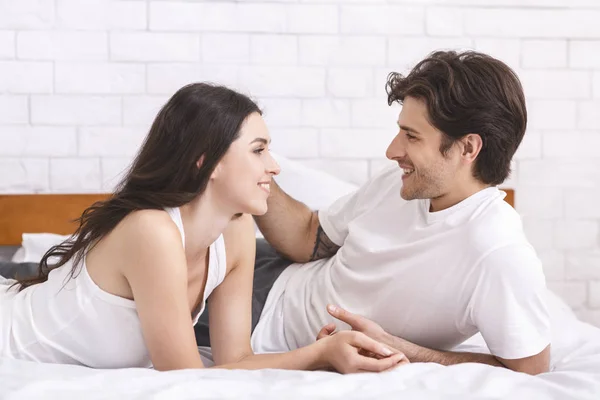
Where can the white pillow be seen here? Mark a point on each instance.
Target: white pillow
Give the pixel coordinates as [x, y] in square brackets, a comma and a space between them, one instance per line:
[314, 188]
[35, 245]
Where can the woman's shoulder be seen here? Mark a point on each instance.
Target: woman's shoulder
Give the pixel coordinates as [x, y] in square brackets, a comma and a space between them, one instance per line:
[148, 228]
[145, 243]
[147, 216]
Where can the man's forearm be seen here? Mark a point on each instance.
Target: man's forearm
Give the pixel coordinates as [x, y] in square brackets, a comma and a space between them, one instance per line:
[416, 353]
[287, 225]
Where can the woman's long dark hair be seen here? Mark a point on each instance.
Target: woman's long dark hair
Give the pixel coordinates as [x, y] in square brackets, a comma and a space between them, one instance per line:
[200, 120]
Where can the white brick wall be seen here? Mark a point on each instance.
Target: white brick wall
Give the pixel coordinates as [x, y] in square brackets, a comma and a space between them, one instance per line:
[26, 77]
[141, 110]
[37, 141]
[27, 14]
[544, 54]
[583, 265]
[281, 112]
[75, 110]
[108, 142]
[14, 109]
[100, 14]
[326, 113]
[551, 84]
[233, 48]
[274, 49]
[552, 114]
[75, 174]
[153, 46]
[81, 81]
[104, 78]
[112, 170]
[62, 45]
[584, 54]
[166, 78]
[7, 45]
[350, 82]
[24, 174]
[589, 115]
[532, 23]
[342, 50]
[385, 20]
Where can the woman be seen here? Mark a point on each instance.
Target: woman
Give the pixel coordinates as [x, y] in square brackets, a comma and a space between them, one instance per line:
[131, 282]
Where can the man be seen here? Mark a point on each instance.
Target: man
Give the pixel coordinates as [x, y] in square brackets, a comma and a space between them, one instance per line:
[426, 254]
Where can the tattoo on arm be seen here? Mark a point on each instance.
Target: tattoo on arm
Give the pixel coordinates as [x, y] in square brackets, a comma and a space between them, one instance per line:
[324, 247]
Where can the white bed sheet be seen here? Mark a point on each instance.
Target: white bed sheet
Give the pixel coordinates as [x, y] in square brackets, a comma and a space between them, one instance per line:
[575, 360]
[575, 375]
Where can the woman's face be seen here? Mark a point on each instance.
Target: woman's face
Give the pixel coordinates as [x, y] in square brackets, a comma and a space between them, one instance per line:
[243, 176]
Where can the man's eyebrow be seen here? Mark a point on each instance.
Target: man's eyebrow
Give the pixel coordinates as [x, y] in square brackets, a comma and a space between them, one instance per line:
[408, 129]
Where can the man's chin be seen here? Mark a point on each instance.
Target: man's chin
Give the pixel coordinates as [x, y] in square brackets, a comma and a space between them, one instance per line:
[411, 195]
[406, 195]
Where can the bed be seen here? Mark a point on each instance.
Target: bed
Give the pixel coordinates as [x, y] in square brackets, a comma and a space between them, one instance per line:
[575, 364]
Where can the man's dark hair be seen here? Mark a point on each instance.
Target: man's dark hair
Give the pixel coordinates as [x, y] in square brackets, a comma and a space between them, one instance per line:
[469, 92]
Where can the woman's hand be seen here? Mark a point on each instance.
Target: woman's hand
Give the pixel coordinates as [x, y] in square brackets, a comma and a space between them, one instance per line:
[345, 352]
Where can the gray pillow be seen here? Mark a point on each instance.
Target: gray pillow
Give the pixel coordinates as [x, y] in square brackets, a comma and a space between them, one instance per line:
[9, 269]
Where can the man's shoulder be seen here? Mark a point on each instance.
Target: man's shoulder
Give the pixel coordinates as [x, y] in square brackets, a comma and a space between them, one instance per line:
[500, 250]
[503, 248]
[495, 216]
[497, 225]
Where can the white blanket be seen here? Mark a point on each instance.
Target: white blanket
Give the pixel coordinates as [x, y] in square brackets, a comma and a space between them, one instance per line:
[575, 375]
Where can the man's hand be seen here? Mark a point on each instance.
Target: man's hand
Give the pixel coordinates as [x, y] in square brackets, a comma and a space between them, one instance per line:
[357, 322]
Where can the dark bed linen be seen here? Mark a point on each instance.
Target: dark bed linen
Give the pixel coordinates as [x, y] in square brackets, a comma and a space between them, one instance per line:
[9, 269]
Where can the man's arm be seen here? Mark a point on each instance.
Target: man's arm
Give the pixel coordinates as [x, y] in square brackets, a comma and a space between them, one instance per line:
[293, 229]
[533, 365]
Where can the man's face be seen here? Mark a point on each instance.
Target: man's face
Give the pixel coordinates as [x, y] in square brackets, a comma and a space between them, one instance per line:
[427, 173]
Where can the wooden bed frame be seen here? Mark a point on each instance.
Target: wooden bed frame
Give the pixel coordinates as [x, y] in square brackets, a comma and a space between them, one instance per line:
[37, 213]
[54, 213]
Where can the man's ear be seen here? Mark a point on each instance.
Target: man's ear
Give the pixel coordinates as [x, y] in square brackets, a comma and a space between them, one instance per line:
[472, 145]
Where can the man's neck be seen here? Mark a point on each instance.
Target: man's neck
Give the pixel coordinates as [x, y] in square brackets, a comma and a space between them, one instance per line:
[455, 196]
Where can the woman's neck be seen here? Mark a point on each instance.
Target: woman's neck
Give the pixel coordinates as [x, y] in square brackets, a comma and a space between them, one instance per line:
[203, 222]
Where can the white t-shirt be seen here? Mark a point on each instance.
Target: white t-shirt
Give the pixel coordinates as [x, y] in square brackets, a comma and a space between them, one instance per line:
[432, 278]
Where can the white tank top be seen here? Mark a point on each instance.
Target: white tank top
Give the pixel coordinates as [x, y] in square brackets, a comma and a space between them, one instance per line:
[73, 321]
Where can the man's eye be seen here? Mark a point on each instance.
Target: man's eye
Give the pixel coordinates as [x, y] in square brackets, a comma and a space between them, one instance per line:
[410, 137]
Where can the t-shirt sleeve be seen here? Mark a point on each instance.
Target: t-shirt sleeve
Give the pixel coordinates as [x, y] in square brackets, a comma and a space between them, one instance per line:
[508, 304]
[334, 219]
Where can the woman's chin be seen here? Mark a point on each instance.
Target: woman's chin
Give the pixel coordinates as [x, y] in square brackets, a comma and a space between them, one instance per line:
[261, 211]
[256, 208]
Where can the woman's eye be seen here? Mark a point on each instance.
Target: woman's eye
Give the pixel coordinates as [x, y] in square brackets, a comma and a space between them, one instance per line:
[260, 150]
